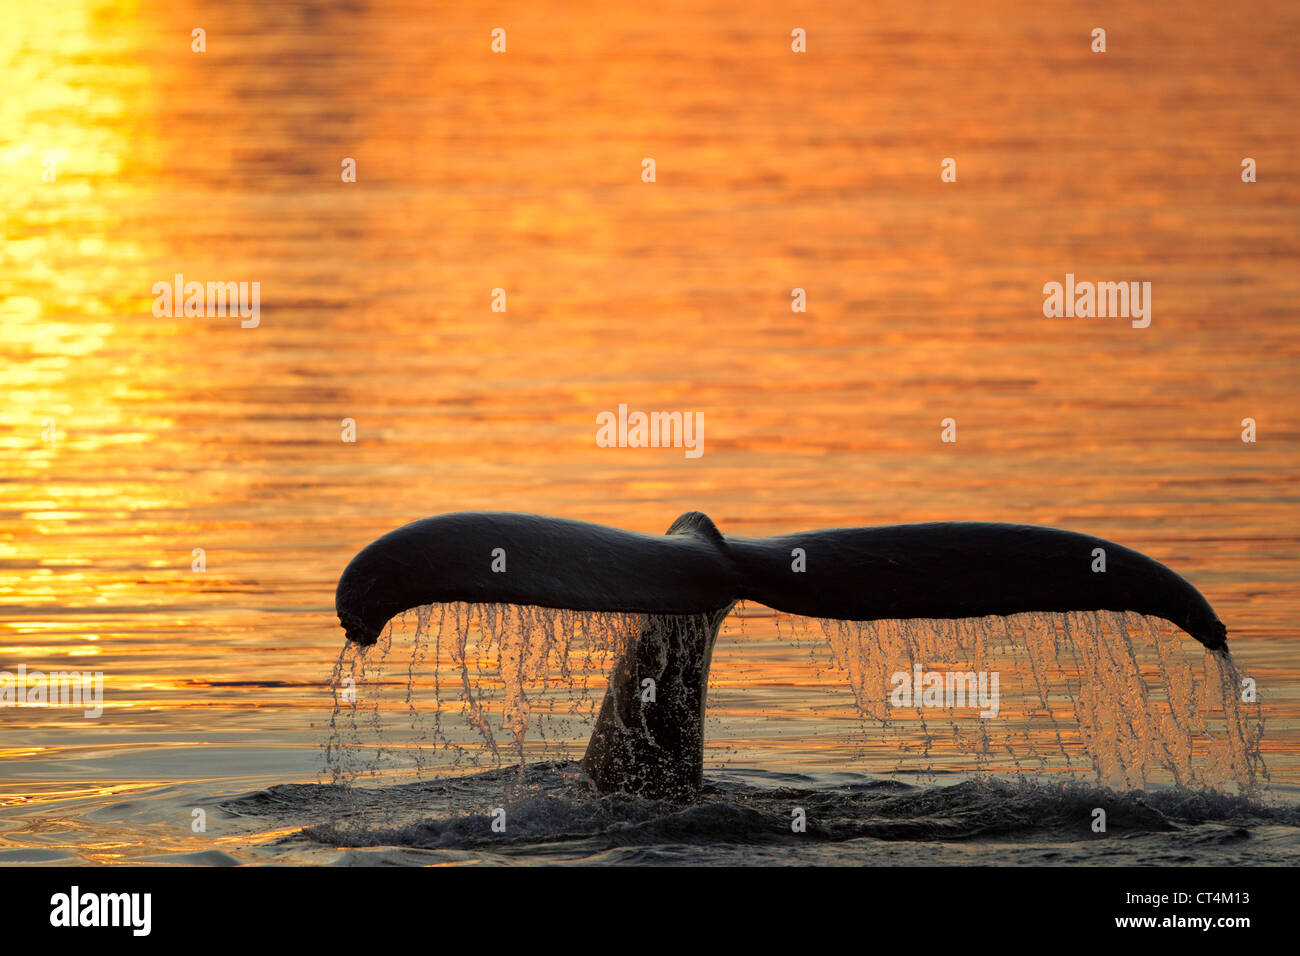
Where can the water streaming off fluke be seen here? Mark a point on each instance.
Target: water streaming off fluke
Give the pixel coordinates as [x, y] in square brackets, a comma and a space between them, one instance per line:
[1116, 699]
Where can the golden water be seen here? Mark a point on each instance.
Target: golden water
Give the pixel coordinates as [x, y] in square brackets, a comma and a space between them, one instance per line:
[522, 171]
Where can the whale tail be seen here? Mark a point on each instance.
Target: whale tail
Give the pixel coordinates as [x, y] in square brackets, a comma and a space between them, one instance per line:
[965, 569]
[649, 733]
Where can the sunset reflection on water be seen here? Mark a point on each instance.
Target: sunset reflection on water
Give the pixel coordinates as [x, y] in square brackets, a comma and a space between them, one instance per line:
[522, 172]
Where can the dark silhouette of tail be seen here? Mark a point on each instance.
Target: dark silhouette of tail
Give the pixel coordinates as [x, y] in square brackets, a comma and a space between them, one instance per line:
[688, 579]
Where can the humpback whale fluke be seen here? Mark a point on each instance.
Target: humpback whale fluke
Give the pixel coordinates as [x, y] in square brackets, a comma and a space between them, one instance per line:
[687, 581]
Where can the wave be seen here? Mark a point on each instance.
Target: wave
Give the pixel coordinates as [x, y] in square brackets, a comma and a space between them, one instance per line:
[546, 812]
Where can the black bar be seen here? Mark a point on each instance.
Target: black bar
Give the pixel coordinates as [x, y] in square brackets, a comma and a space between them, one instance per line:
[866, 907]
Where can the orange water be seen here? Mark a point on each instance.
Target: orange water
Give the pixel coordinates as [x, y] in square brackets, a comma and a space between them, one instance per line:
[522, 171]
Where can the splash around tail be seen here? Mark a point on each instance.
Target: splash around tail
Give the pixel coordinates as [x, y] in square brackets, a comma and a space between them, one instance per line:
[687, 581]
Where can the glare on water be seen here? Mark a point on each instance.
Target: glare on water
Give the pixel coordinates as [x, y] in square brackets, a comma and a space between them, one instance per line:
[177, 502]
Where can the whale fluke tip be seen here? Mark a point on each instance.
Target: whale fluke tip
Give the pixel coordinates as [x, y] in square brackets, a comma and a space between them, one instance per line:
[356, 630]
[1218, 638]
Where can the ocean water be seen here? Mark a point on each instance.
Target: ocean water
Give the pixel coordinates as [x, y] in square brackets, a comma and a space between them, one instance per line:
[744, 818]
[128, 441]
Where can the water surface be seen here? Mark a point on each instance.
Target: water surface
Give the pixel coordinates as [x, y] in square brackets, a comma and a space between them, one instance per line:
[775, 171]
